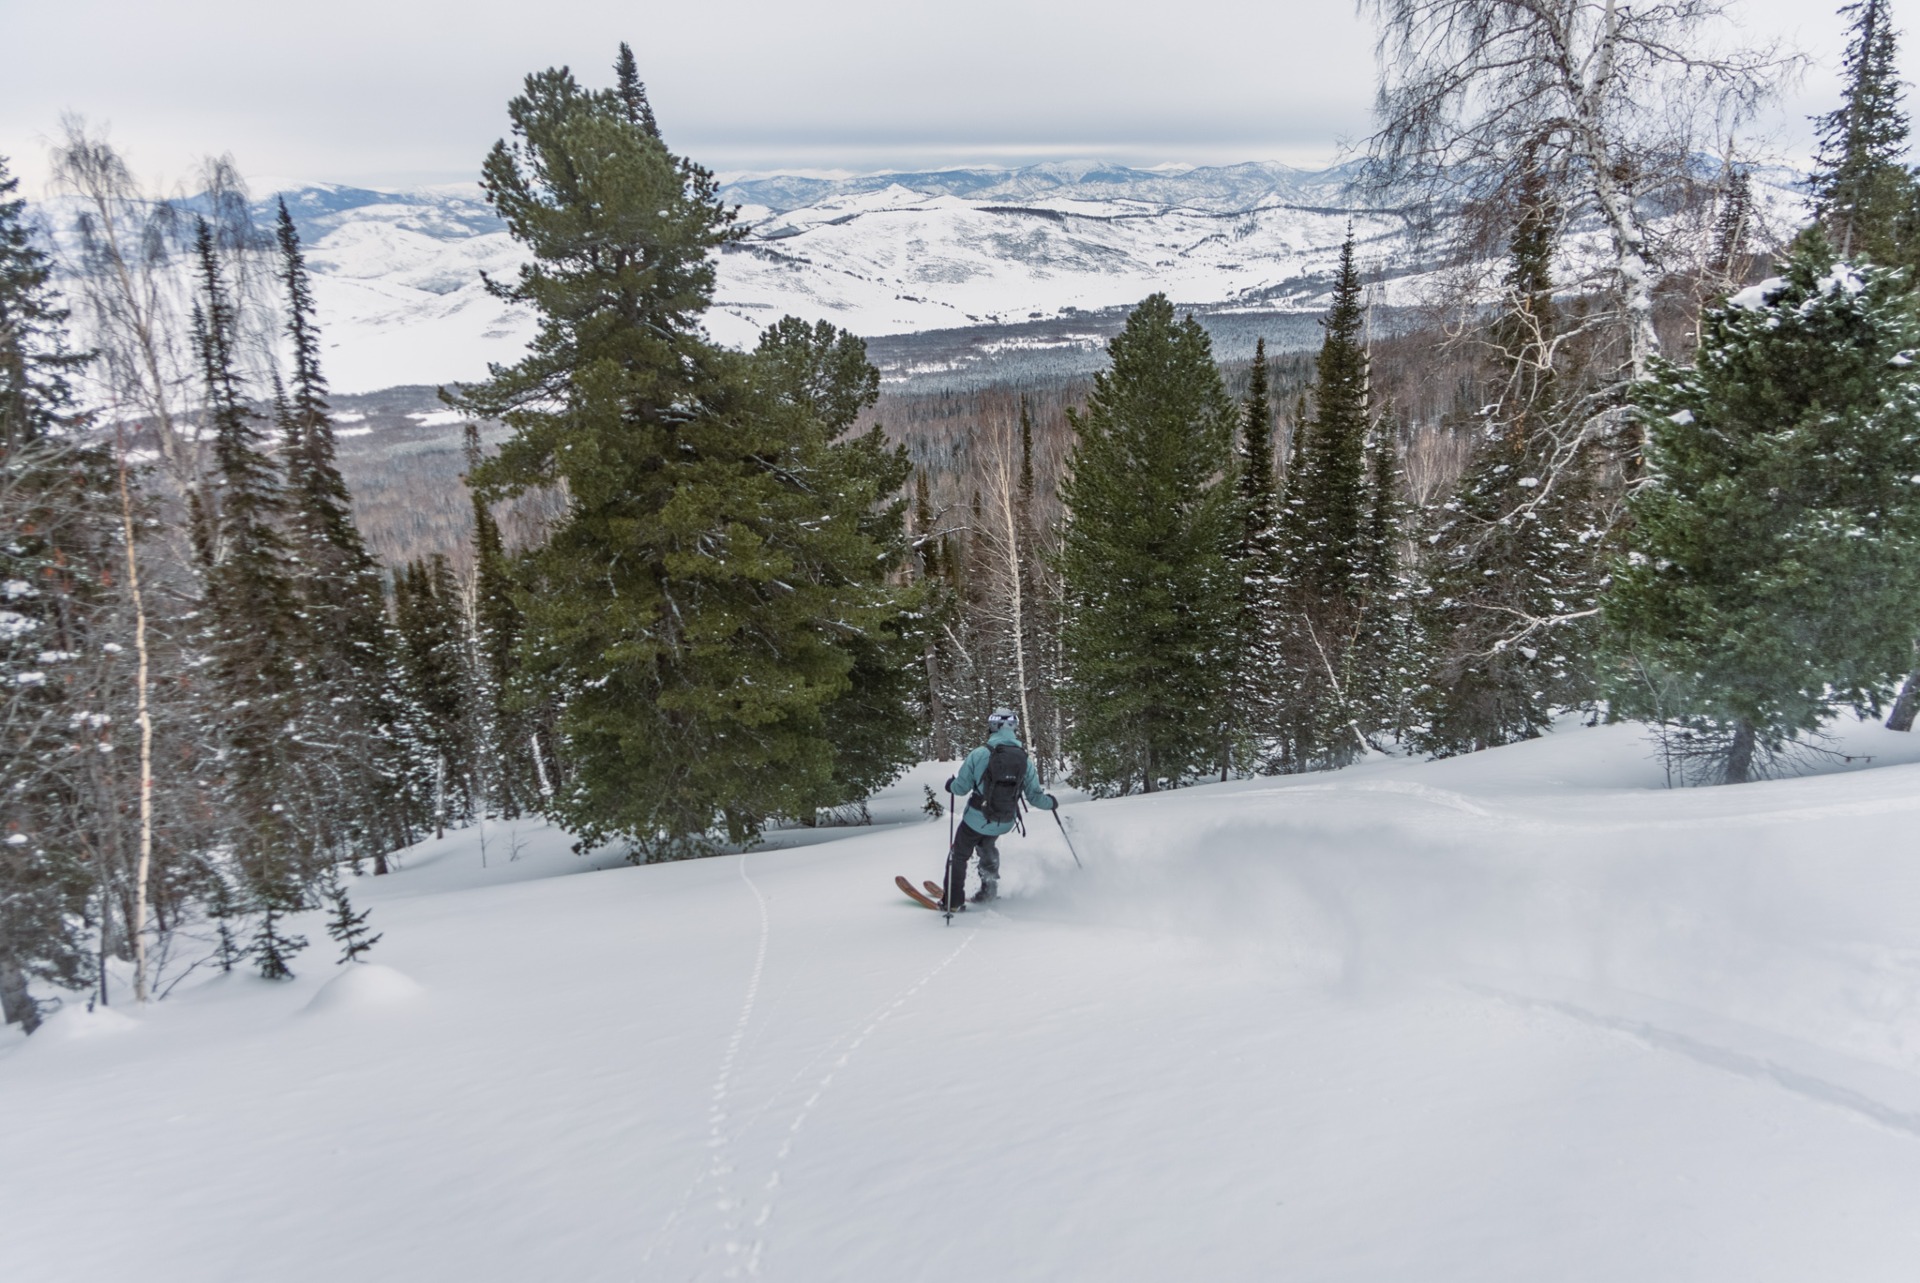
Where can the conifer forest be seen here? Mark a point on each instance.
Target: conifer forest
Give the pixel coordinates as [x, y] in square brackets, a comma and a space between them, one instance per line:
[1645, 452]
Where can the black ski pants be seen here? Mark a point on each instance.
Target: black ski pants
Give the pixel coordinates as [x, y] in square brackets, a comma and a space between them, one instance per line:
[965, 842]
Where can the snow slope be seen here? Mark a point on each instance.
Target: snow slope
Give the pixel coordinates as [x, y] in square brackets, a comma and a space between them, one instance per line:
[1520, 1016]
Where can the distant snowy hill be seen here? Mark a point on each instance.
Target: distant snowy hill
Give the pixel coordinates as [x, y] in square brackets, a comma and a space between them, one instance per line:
[398, 274]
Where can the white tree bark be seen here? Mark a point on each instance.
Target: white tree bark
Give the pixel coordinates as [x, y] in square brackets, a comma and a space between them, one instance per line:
[141, 980]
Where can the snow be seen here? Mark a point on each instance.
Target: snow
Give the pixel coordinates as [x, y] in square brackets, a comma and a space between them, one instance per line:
[1757, 298]
[364, 987]
[1520, 1015]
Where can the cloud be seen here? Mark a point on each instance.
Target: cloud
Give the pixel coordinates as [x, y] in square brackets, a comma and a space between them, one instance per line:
[391, 92]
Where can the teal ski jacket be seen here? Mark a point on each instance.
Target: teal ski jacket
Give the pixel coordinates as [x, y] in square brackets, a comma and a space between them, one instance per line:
[974, 769]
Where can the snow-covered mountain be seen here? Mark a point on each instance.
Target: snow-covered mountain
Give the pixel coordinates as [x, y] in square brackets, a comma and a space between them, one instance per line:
[397, 274]
[1049, 253]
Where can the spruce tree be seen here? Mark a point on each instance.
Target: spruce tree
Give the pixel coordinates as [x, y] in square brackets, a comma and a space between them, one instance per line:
[721, 570]
[1259, 658]
[432, 626]
[1150, 588]
[56, 568]
[1733, 227]
[252, 633]
[1861, 188]
[632, 93]
[347, 647]
[1322, 532]
[1770, 570]
[506, 716]
[272, 949]
[1511, 569]
[1382, 659]
[348, 929]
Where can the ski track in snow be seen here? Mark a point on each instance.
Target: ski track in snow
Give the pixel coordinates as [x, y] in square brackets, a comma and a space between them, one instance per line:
[756, 1248]
[729, 1243]
[719, 1145]
[1758, 1068]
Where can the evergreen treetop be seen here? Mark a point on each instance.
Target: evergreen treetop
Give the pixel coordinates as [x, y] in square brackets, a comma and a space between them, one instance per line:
[1326, 488]
[1861, 189]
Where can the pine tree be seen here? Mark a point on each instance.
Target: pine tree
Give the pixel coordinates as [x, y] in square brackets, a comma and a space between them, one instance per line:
[271, 949]
[347, 645]
[1770, 577]
[504, 721]
[55, 570]
[222, 909]
[1511, 568]
[823, 373]
[1260, 625]
[348, 929]
[1150, 588]
[633, 94]
[722, 568]
[432, 625]
[1322, 531]
[1861, 189]
[1382, 662]
[1733, 225]
[253, 633]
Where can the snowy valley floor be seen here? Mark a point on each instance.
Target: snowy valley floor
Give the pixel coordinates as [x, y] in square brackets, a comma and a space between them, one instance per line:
[1521, 1016]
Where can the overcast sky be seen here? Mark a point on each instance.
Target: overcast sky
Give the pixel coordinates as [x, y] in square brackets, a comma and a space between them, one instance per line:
[392, 93]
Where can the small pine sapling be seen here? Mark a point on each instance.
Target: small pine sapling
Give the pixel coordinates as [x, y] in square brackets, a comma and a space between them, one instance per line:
[220, 906]
[272, 949]
[933, 808]
[348, 929]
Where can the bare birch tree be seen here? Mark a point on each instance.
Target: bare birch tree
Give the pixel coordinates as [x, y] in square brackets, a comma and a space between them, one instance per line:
[1609, 101]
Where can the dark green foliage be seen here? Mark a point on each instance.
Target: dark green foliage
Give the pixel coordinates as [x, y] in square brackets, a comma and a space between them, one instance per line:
[1382, 661]
[507, 713]
[222, 909]
[1260, 626]
[1733, 228]
[1511, 568]
[722, 574]
[272, 949]
[253, 634]
[632, 93]
[1323, 531]
[1150, 589]
[1863, 195]
[823, 372]
[348, 929]
[352, 709]
[1770, 577]
[432, 624]
[59, 519]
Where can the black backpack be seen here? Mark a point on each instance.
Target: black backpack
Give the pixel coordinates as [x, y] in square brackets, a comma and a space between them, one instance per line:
[1002, 784]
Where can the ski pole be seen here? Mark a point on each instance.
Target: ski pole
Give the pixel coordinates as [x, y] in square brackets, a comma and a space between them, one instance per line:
[1063, 833]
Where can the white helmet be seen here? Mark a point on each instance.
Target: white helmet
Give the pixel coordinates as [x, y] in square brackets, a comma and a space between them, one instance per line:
[1003, 719]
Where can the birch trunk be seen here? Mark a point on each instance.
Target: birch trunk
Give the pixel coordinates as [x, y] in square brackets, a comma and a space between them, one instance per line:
[144, 719]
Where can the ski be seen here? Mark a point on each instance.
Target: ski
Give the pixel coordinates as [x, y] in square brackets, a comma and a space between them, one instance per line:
[935, 890]
[913, 894]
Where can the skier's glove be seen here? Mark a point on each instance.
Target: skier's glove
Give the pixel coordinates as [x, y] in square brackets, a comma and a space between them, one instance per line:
[949, 783]
[1053, 803]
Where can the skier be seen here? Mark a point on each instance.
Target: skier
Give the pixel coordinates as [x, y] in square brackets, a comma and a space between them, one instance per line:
[995, 775]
